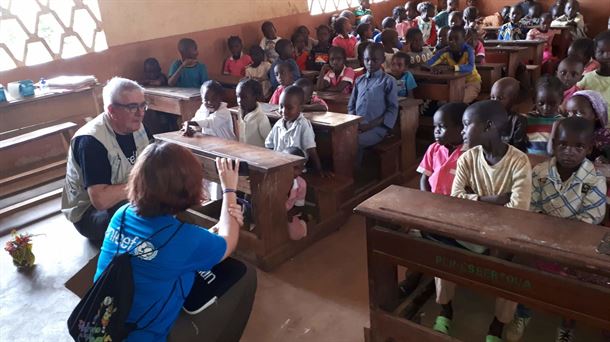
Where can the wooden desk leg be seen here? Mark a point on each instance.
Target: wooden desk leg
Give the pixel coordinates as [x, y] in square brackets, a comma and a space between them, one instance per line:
[344, 142]
[383, 280]
[513, 62]
[409, 122]
[538, 54]
[456, 89]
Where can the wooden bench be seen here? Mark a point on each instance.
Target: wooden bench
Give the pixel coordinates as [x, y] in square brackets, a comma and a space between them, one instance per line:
[523, 233]
[441, 87]
[490, 73]
[265, 240]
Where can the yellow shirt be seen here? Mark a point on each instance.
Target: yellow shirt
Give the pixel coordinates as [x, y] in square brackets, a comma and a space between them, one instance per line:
[464, 65]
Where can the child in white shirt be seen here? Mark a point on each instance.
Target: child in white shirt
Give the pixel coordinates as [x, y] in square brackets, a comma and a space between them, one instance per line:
[213, 117]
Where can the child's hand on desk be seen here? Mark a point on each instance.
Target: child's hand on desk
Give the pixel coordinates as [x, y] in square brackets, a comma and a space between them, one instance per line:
[187, 130]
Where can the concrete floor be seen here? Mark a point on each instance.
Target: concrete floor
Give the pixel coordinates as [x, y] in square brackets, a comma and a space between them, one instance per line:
[320, 295]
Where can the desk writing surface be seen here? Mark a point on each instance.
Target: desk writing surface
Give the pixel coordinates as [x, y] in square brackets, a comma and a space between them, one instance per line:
[328, 119]
[174, 92]
[333, 96]
[518, 42]
[427, 75]
[41, 96]
[258, 158]
[522, 232]
[505, 48]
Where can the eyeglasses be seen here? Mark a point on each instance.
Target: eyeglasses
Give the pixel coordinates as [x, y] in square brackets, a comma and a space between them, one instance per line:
[133, 107]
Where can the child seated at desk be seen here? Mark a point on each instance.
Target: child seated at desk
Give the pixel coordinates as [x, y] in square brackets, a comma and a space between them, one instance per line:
[152, 74]
[549, 94]
[389, 39]
[352, 20]
[400, 70]
[401, 24]
[441, 19]
[375, 99]
[344, 39]
[285, 52]
[456, 19]
[584, 50]
[572, 19]
[283, 73]
[490, 171]
[471, 17]
[388, 23]
[336, 76]
[441, 39]
[497, 19]
[513, 30]
[418, 53]
[591, 106]
[459, 57]
[506, 91]
[318, 56]
[312, 102]
[187, 72]
[544, 32]
[365, 34]
[425, 23]
[533, 16]
[254, 126]
[293, 129]
[259, 69]
[309, 42]
[237, 63]
[566, 186]
[213, 117]
[362, 10]
[410, 19]
[599, 80]
[362, 70]
[301, 55]
[295, 204]
[269, 40]
[472, 39]
[569, 72]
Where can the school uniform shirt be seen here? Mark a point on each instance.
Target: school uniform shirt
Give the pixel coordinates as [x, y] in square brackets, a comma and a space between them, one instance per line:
[218, 123]
[420, 57]
[539, 130]
[375, 95]
[348, 44]
[190, 77]
[318, 56]
[261, 73]
[591, 66]
[441, 19]
[599, 83]
[302, 60]
[510, 31]
[440, 167]
[296, 74]
[298, 133]
[161, 278]
[275, 98]
[346, 75]
[402, 28]
[405, 84]
[512, 174]
[465, 64]
[428, 29]
[268, 45]
[581, 197]
[317, 100]
[237, 67]
[254, 127]
[578, 31]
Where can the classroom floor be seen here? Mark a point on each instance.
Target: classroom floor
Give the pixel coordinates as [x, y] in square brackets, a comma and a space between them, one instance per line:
[320, 295]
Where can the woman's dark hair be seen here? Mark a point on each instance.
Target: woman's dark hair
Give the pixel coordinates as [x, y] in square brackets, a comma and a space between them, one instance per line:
[166, 179]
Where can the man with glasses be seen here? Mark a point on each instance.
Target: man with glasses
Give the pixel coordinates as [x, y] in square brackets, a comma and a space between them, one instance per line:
[101, 155]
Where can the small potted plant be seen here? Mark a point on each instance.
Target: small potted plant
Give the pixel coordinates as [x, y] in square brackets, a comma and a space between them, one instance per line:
[20, 249]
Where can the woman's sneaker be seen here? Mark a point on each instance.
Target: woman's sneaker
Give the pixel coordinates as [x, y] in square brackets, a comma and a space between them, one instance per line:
[516, 328]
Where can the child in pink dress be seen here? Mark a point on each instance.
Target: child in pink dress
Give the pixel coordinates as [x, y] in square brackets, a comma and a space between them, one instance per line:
[297, 227]
[544, 32]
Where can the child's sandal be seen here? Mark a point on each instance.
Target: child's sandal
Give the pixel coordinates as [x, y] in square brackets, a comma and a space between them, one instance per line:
[442, 325]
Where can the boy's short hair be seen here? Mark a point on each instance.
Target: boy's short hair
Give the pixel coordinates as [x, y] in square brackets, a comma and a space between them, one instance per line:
[362, 28]
[375, 48]
[213, 86]
[602, 36]
[322, 27]
[545, 15]
[412, 33]
[296, 35]
[293, 90]
[282, 64]
[337, 49]
[550, 83]
[266, 24]
[281, 44]
[185, 44]
[338, 24]
[388, 34]
[295, 151]
[424, 6]
[584, 45]
[577, 125]
[388, 22]
[471, 11]
[572, 59]
[361, 47]
[256, 49]
[489, 110]
[396, 11]
[234, 40]
[402, 55]
[152, 62]
[455, 111]
[252, 85]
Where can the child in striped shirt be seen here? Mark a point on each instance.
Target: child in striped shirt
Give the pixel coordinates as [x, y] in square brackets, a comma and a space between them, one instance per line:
[549, 95]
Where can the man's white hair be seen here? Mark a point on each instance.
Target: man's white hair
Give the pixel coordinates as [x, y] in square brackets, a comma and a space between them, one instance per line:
[117, 85]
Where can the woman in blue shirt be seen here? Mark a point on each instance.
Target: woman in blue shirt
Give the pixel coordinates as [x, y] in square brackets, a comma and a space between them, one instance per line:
[166, 180]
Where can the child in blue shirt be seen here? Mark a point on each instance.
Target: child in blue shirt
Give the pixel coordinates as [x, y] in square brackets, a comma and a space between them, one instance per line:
[375, 99]
[513, 30]
[285, 52]
[187, 72]
[404, 79]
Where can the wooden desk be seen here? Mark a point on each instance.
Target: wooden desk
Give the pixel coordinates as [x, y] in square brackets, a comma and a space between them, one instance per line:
[440, 87]
[227, 81]
[561, 42]
[337, 102]
[490, 73]
[535, 47]
[183, 102]
[270, 178]
[509, 55]
[527, 234]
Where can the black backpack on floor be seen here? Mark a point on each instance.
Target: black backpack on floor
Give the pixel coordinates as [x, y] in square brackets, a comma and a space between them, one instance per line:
[102, 313]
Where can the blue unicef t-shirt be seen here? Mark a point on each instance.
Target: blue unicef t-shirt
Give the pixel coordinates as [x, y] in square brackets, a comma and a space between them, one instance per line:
[163, 275]
[191, 77]
[405, 84]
